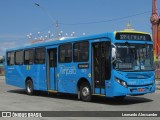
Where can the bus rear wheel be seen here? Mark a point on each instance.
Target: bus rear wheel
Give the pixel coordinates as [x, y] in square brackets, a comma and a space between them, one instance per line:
[85, 92]
[29, 87]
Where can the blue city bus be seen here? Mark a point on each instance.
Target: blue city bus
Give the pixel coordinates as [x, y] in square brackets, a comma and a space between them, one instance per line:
[113, 64]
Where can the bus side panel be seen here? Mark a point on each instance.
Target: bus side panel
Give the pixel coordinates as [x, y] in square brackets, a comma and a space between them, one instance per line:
[68, 76]
[15, 76]
[40, 77]
[20, 76]
[11, 76]
[29, 71]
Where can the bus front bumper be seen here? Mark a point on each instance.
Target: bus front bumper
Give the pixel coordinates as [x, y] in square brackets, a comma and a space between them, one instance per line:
[131, 90]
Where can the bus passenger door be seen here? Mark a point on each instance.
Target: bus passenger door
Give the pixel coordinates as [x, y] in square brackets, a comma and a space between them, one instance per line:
[51, 69]
[101, 66]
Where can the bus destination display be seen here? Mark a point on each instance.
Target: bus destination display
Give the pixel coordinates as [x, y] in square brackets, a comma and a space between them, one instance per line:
[133, 36]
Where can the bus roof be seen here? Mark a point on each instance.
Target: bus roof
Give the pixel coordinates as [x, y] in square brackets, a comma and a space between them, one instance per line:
[72, 39]
[60, 41]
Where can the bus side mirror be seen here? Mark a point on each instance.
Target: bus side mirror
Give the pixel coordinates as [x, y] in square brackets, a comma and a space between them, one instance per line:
[113, 54]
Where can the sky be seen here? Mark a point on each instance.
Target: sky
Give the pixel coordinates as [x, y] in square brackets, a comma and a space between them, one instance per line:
[18, 18]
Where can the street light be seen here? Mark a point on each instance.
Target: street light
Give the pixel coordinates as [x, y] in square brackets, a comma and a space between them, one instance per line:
[73, 34]
[49, 34]
[52, 35]
[45, 11]
[38, 34]
[61, 33]
[29, 36]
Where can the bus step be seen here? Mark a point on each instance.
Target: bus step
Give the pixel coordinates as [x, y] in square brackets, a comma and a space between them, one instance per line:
[52, 91]
[98, 95]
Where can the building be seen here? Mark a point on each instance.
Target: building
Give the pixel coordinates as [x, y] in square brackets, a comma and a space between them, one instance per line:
[1, 66]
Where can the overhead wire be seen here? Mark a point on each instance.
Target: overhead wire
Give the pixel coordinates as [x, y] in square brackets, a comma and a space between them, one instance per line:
[93, 22]
[108, 20]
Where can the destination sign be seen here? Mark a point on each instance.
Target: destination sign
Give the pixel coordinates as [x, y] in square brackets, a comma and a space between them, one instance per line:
[83, 66]
[132, 36]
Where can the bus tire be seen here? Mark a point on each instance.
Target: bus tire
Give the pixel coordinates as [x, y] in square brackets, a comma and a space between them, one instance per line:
[29, 87]
[85, 92]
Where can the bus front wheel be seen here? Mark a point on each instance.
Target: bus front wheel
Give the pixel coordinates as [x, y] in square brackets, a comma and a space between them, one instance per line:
[85, 92]
[29, 87]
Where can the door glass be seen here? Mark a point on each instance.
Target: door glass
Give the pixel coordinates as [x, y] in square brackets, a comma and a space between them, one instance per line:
[101, 61]
[53, 58]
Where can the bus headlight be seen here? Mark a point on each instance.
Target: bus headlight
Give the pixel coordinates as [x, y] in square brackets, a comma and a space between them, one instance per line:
[123, 83]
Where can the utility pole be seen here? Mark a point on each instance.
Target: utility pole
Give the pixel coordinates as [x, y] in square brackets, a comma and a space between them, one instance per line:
[57, 29]
[49, 16]
[155, 21]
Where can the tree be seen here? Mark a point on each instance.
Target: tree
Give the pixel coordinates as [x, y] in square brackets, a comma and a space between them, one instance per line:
[1, 60]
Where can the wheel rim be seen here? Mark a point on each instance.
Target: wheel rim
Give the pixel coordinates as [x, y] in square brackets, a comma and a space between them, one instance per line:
[29, 87]
[85, 91]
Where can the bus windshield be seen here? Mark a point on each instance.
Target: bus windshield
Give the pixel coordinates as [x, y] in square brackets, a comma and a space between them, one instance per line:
[134, 57]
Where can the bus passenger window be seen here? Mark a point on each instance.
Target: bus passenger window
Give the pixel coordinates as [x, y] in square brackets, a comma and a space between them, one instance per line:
[81, 51]
[65, 53]
[19, 57]
[10, 58]
[28, 57]
[40, 55]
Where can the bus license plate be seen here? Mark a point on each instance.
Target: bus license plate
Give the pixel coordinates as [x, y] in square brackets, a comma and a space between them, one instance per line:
[141, 89]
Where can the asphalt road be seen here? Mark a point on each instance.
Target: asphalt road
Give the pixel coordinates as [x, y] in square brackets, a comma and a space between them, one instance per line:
[15, 99]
